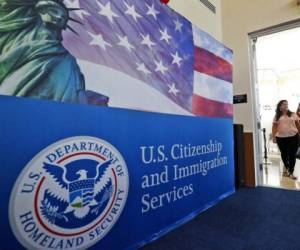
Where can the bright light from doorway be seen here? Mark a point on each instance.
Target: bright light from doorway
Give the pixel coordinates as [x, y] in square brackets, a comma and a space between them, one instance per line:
[278, 68]
[279, 51]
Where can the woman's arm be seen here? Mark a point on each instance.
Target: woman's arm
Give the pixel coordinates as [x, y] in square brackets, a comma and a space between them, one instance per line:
[298, 125]
[274, 130]
[297, 121]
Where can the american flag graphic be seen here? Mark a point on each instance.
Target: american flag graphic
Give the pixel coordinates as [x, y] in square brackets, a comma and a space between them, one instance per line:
[143, 55]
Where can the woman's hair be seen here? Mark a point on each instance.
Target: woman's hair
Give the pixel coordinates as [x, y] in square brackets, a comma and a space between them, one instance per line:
[279, 112]
[298, 109]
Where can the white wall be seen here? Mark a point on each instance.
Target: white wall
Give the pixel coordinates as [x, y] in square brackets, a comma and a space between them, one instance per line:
[240, 17]
[200, 15]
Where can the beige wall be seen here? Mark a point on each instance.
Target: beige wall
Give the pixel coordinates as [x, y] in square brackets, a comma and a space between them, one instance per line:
[239, 17]
[199, 15]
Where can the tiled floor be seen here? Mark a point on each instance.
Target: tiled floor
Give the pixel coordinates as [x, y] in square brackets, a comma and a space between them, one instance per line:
[272, 174]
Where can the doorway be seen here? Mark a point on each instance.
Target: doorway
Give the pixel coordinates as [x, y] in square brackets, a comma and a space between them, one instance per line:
[276, 67]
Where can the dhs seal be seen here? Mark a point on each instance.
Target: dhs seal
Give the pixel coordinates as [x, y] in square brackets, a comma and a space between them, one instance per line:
[69, 195]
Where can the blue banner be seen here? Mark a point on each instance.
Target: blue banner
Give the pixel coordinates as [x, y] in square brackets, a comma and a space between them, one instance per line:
[79, 176]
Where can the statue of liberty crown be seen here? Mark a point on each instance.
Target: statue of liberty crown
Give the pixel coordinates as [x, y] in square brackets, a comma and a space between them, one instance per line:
[56, 13]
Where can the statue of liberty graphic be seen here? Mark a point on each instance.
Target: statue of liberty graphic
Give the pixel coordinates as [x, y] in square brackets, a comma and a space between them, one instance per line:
[33, 61]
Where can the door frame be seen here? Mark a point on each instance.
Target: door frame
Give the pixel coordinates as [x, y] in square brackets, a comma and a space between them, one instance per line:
[252, 38]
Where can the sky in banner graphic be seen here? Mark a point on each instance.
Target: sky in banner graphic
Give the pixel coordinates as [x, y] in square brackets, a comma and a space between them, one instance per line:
[152, 55]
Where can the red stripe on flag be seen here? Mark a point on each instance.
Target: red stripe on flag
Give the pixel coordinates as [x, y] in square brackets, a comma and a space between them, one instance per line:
[210, 64]
[206, 107]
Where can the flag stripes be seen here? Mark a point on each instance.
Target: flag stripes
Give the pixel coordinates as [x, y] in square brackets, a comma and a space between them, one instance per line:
[210, 64]
[159, 61]
[206, 107]
[212, 88]
[212, 93]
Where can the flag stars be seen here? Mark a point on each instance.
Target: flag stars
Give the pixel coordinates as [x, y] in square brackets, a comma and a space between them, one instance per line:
[176, 59]
[152, 11]
[132, 12]
[178, 26]
[164, 35]
[160, 67]
[147, 41]
[125, 43]
[107, 11]
[99, 41]
[172, 89]
[142, 68]
[76, 7]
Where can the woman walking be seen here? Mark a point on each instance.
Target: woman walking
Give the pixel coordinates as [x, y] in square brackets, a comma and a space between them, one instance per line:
[285, 131]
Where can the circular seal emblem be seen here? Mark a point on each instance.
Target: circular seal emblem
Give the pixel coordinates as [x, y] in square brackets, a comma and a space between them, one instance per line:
[69, 195]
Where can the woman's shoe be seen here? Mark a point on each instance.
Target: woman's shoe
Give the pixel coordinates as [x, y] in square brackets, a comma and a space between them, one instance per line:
[292, 177]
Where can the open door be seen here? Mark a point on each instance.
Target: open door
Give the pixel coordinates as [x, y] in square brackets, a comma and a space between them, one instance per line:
[275, 76]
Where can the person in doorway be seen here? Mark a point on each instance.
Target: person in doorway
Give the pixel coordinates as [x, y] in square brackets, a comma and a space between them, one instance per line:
[285, 131]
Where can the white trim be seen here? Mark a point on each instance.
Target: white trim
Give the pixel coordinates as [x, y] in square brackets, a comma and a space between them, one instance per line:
[275, 29]
[255, 113]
